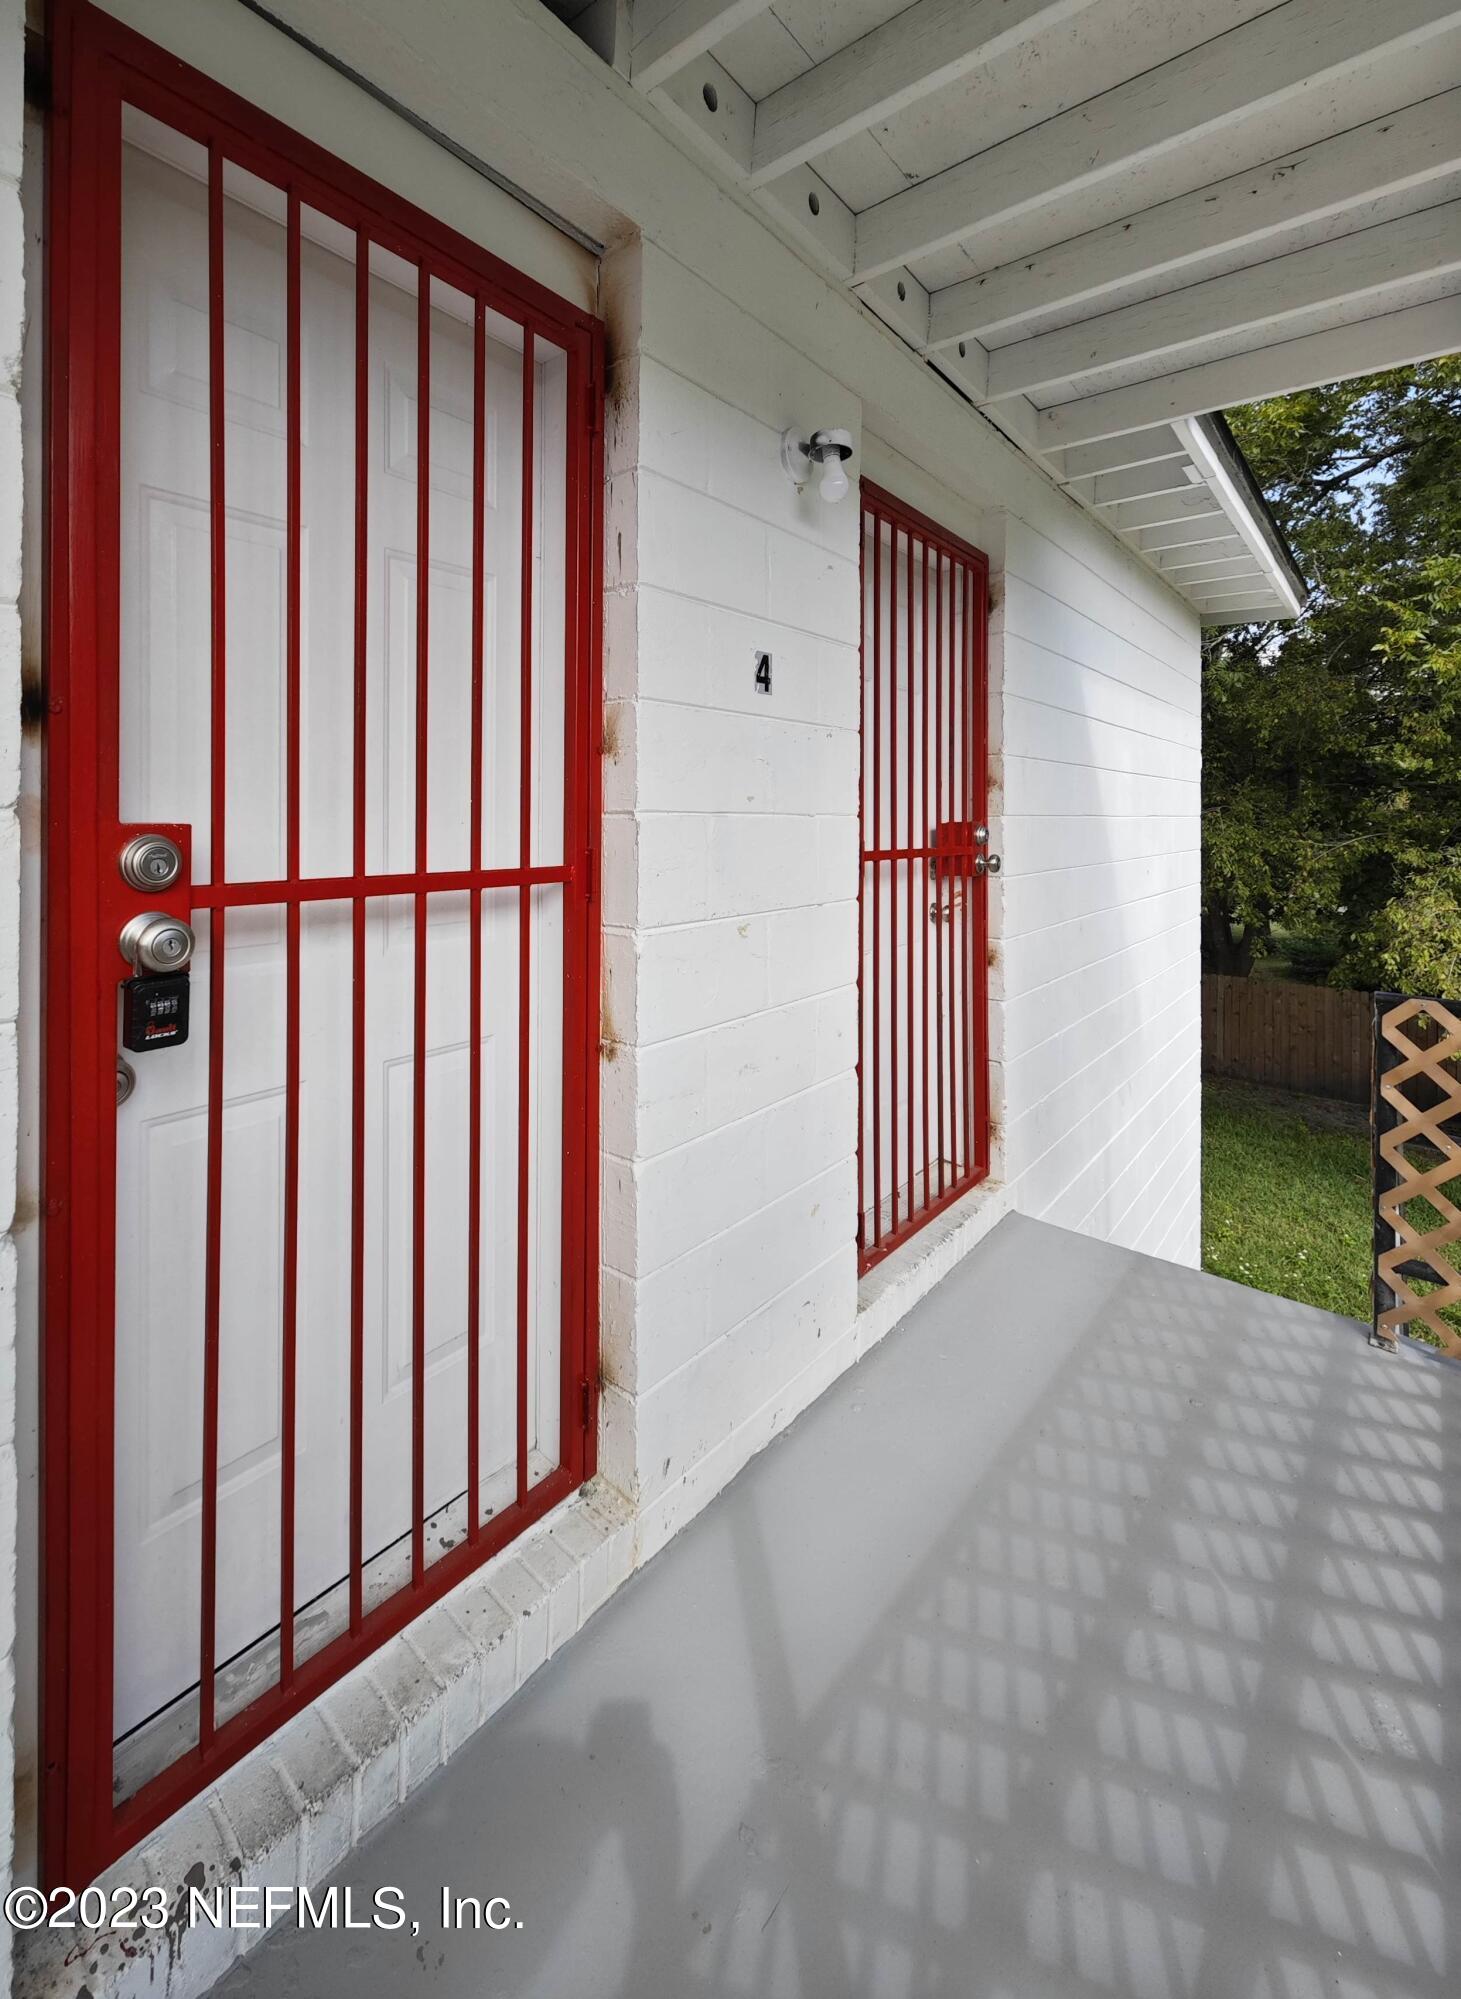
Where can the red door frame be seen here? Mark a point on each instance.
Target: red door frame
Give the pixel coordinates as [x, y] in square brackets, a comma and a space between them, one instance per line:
[97, 63]
[940, 843]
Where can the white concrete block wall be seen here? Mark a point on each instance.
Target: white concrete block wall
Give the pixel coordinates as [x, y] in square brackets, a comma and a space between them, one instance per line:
[730, 887]
[12, 321]
[1097, 988]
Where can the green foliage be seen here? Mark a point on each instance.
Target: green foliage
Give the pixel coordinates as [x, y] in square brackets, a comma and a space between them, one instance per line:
[1412, 944]
[1310, 959]
[1332, 785]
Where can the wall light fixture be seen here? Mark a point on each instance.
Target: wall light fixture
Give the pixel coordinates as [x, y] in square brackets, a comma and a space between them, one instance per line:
[828, 449]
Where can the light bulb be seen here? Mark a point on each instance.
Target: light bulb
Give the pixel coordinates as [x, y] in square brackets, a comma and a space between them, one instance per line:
[834, 481]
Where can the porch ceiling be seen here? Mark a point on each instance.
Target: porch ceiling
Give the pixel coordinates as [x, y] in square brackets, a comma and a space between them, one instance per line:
[1103, 219]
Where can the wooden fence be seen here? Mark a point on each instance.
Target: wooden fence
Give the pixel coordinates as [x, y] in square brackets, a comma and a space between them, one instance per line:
[1292, 1037]
[1311, 1038]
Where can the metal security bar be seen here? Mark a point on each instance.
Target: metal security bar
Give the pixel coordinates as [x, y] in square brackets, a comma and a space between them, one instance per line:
[1416, 1128]
[99, 1800]
[926, 863]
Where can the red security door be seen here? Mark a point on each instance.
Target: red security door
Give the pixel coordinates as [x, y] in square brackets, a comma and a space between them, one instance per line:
[320, 1116]
[923, 1045]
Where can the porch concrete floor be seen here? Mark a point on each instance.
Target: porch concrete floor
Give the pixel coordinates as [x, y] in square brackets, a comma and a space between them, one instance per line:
[1099, 1634]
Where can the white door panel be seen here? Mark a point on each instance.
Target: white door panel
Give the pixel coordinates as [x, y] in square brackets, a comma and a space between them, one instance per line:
[166, 765]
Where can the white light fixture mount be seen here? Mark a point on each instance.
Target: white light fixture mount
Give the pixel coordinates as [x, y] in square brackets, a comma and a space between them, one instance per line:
[827, 449]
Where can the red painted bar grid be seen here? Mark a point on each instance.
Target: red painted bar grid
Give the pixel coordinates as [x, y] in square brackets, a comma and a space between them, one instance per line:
[357, 942]
[418, 999]
[924, 660]
[525, 920]
[474, 923]
[98, 65]
[218, 869]
[293, 568]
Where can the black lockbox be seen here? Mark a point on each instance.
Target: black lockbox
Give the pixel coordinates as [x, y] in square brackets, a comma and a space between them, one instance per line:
[155, 1012]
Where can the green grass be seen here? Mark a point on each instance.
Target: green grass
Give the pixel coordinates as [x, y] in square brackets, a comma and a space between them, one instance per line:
[1286, 1197]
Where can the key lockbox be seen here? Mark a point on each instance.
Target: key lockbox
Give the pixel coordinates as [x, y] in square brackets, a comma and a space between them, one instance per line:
[155, 1012]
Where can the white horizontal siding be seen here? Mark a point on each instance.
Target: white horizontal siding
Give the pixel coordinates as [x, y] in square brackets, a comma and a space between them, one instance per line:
[1097, 987]
[1036, 616]
[1068, 735]
[1060, 895]
[1046, 789]
[1091, 839]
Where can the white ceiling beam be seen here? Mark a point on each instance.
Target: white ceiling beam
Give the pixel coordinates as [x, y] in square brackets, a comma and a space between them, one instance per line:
[1369, 261]
[719, 120]
[1168, 475]
[1017, 418]
[712, 109]
[1243, 614]
[1294, 48]
[1228, 600]
[902, 303]
[1198, 551]
[1178, 534]
[1237, 566]
[1402, 150]
[817, 217]
[669, 34]
[1391, 340]
[919, 51]
[1115, 454]
[1184, 534]
[1187, 562]
[1163, 511]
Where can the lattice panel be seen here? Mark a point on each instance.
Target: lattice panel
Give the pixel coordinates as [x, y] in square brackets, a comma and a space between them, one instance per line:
[1408, 1073]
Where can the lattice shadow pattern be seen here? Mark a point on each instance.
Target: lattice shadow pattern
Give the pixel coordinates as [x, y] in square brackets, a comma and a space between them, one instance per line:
[1161, 1713]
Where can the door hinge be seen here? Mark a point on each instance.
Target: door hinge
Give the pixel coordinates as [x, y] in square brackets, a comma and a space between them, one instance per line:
[593, 416]
[587, 1397]
[591, 875]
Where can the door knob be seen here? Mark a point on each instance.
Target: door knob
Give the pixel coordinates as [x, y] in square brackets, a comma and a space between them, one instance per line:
[151, 861]
[989, 866]
[155, 943]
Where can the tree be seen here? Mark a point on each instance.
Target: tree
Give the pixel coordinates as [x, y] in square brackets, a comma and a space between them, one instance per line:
[1332, 781]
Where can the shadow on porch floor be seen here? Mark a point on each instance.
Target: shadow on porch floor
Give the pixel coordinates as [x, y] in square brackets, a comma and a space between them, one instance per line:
[1100, 1633]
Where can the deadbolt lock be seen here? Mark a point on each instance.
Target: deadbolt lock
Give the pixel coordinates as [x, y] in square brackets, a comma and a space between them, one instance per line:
[153, 942]
[151, 861]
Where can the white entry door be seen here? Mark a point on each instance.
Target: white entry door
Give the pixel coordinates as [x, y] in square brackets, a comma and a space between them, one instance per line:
[190, 737]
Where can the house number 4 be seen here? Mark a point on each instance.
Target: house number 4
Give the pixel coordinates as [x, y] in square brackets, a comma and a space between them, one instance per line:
[763, 673]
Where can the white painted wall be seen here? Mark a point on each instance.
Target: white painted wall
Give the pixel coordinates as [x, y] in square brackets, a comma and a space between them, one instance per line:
[730, 886]
[729, 879]
[1098, 985]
